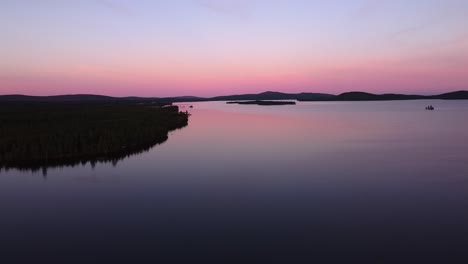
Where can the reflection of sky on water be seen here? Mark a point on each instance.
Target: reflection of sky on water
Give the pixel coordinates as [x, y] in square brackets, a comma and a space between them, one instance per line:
[388, 177]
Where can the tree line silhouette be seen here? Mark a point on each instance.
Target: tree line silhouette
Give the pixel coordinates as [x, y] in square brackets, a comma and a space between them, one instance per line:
[38, 134]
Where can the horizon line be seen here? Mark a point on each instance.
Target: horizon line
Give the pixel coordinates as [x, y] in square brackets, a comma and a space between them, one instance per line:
[208, 97]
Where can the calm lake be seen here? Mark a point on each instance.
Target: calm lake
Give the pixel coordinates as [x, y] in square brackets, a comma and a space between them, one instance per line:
[328, 181]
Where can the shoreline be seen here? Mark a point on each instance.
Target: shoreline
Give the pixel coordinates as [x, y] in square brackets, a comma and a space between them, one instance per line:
[38, 136]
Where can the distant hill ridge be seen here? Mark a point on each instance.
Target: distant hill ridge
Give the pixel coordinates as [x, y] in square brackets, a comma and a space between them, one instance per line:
[269, 95]
[69, 97]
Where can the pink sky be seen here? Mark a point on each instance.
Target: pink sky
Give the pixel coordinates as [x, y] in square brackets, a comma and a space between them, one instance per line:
[208, 48]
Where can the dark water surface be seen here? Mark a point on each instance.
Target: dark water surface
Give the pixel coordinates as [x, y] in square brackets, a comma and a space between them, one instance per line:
[377, 182]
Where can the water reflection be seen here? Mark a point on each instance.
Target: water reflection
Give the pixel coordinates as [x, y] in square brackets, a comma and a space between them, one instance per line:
[311, 183]
[112, 158]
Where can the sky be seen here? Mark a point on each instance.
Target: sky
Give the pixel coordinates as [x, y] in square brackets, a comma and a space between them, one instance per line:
[218, 47]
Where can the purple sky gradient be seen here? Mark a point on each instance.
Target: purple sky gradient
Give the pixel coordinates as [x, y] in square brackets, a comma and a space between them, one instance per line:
[209, 47]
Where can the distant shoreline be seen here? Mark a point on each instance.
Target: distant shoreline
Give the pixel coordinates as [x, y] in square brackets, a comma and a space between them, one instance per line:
[261, 102]
[266, 96]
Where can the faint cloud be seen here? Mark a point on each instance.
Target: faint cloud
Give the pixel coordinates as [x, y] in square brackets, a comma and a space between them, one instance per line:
[409, 30]
[237, 8]
[115, 7]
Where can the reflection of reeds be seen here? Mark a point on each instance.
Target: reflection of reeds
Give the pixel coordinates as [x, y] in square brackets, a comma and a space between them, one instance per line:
[51, 135]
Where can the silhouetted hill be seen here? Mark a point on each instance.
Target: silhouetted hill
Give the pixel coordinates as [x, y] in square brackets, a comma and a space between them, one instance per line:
[362, 96]
[184, 99]
[314, 97]
[259, 102]
[269, 95]
[260, 96]
[403, 97]
[88, 98]
[458, 95]
[356, 96]
[265, 96]
[68, 98]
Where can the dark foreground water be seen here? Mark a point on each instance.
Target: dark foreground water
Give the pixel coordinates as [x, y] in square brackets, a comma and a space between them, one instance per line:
[347, 182]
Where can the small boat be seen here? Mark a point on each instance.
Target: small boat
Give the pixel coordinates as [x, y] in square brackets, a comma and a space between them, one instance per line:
[191, 106]
[430, 107]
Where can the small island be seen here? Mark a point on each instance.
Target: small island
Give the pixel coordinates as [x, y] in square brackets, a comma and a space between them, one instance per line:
[261, 102]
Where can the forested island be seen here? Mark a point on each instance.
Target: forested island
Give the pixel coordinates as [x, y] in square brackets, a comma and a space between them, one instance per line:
[34, 135]
[261, 102]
